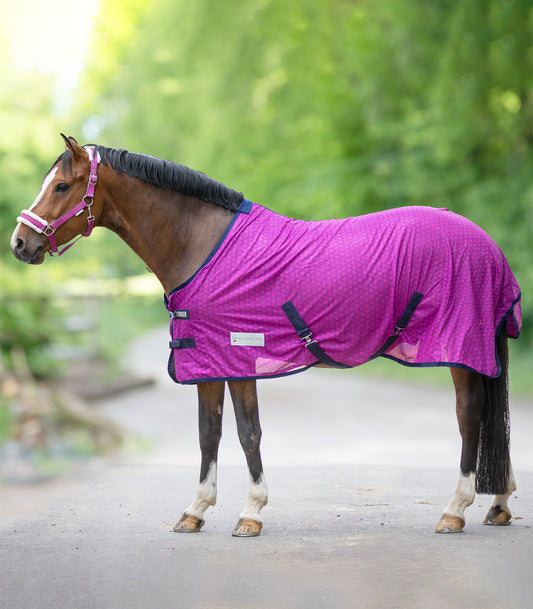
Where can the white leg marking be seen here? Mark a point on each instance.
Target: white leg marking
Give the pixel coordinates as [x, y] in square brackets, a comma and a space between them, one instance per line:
[463, 497]
[206, 494]
[257, 499]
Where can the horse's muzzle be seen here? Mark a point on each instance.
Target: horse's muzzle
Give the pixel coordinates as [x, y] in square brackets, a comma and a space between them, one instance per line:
[29, 250]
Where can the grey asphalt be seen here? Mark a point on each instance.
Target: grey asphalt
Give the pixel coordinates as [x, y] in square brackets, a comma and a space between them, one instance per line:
[358, 469]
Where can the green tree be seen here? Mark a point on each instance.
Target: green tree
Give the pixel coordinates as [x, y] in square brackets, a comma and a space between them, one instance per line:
[323, 109]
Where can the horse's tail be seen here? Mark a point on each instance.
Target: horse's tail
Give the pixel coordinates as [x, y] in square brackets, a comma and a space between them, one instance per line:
[494, 461]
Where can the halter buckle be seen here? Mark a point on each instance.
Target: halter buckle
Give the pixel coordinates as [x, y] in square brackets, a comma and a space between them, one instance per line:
[89, 210]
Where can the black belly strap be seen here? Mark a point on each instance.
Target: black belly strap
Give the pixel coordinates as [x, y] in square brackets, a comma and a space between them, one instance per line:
[306, 335]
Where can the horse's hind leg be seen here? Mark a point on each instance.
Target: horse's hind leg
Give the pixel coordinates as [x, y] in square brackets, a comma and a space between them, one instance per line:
[244, 396]
[495, 461]
[499, 512]
[210, 404]
[470, 398]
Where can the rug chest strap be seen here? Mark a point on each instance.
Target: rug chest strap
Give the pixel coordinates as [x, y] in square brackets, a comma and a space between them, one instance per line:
[306, 335]
[182, 343]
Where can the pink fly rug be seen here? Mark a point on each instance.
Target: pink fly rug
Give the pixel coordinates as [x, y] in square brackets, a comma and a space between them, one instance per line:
[422, 286]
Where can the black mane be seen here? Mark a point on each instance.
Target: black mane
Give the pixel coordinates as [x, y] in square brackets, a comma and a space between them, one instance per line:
[165, 174]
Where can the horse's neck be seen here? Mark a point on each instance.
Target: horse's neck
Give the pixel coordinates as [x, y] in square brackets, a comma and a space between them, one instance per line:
[171, 233]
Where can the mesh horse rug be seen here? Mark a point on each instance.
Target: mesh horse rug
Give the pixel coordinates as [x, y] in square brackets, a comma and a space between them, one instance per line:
[423, 286]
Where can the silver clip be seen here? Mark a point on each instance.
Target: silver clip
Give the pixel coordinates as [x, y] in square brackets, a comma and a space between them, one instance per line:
[308, 338]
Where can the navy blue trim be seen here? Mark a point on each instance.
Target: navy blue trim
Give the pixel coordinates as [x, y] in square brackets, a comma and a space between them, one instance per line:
[464, 366]
[509, 313]
[170, 367]
[437, 365]
[244, 208]
[242, 378]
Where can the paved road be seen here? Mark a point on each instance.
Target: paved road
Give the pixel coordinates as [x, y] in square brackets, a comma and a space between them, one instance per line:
[358, 470]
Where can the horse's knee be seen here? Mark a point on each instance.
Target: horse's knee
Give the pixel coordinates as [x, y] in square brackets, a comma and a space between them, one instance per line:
[210, 408]
[250, 438]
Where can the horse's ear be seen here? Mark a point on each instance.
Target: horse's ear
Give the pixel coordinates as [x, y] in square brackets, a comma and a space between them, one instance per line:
[72, 145]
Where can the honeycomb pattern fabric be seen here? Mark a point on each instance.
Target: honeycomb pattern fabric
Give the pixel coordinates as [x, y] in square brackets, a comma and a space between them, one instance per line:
[350, 281]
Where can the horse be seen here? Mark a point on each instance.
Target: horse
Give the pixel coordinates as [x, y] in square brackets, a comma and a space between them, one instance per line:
[182, 223]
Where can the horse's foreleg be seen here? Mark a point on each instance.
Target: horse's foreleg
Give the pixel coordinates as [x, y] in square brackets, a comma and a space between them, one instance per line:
[210, 405]
[469, 393]
[244, 396]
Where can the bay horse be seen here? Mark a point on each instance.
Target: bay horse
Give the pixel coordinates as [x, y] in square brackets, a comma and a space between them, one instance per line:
[182, 224]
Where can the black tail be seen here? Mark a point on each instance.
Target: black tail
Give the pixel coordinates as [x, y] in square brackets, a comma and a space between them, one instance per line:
[494, 462]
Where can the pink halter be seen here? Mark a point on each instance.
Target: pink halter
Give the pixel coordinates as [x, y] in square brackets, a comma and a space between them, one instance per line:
[34, 221]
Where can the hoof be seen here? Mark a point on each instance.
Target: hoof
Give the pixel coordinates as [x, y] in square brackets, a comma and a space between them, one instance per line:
[450, 524]
[188, 524]
[498, 517]
[246, 527]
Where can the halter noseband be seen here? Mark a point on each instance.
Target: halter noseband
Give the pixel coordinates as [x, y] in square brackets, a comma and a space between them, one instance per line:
[34, 221]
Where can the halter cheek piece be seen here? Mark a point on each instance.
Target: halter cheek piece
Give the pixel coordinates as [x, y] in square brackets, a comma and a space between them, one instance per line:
[34, 221]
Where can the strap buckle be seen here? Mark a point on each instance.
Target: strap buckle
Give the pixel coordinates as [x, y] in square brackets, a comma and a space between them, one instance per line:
[309, 340]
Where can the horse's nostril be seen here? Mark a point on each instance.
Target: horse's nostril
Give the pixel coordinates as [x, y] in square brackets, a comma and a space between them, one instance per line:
[18, 244]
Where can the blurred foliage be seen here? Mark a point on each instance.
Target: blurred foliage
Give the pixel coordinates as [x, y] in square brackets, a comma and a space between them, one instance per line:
[316, 109]
[326, 109]
[26, 322]
[27, 138]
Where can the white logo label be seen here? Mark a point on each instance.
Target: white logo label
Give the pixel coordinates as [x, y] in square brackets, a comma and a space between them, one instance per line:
[247, 339]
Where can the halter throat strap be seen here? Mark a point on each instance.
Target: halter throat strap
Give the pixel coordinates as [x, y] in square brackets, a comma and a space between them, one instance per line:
[41, 226]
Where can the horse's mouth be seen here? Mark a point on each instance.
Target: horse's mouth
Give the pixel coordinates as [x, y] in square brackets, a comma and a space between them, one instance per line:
[38, 256]
[35, 258]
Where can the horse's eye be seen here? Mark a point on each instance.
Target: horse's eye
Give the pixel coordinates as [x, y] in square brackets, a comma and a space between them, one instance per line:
[61, 187]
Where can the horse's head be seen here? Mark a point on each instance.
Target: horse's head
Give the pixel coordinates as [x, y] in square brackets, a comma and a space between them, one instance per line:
[63, 208]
